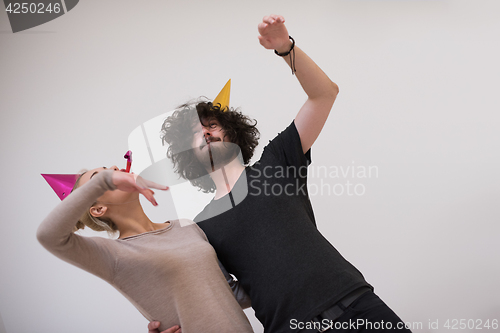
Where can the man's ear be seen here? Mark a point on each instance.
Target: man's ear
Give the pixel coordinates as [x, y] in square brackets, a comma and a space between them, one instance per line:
[98, 210]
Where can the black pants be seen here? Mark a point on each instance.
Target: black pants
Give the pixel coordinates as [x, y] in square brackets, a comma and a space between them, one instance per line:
[368, 314]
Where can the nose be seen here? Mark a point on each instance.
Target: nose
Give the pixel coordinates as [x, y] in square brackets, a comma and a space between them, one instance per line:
[114, 167]
[206, 132]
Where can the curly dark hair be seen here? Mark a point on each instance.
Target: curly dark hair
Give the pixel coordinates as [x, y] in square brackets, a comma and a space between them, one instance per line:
[176, 132]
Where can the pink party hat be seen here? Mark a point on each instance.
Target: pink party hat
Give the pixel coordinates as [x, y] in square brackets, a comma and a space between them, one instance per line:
[61, 184]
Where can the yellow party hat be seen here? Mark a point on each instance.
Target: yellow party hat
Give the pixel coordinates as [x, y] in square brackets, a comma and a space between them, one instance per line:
[223, 97]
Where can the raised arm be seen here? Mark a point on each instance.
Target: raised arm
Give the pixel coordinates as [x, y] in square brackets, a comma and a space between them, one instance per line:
[93, 254]
[56, 234]
[320, 90]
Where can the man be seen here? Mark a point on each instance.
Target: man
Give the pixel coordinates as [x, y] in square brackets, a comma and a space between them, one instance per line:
[261, 221]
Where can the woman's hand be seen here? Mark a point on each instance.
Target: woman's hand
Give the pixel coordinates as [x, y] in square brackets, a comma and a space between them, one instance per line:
[273, 33]
[129, 182]
[153, 328]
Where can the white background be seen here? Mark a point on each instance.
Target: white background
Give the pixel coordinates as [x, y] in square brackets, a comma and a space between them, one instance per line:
[418, 99]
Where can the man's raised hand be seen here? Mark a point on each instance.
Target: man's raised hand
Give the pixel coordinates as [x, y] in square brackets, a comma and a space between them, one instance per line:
[273, 33]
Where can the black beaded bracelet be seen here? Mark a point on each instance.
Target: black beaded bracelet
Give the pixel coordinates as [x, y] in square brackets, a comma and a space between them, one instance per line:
[291, 48]
[290, 52]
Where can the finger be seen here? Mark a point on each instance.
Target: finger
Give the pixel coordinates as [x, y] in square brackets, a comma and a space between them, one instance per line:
[154, 185]
[268, 20]
[148, 194]
[276, 18]
[144, 183]
[139, 181]
[262, 26]
[263, 41]
[174, 329]
[152, 326]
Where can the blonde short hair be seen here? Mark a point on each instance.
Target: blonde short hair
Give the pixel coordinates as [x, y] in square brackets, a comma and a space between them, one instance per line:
[94, 223]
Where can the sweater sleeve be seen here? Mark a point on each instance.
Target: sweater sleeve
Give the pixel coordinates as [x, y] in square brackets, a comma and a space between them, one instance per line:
[93, 254]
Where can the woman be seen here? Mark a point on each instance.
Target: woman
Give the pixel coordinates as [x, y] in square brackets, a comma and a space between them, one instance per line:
[170, 273]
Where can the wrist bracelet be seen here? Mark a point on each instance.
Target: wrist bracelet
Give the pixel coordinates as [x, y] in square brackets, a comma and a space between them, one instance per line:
[290, 52]
[291, 48]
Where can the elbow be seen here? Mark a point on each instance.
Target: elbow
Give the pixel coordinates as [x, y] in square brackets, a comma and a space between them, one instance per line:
[334, 90]
[50, 241]
[47, 238]
[329, 92]
[42, 236]
[246, 304]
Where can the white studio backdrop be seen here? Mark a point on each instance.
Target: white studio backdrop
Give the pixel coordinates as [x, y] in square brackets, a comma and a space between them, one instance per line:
[405, 176]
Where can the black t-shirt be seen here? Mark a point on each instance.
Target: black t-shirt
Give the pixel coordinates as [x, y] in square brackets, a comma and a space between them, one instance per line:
[270, 242]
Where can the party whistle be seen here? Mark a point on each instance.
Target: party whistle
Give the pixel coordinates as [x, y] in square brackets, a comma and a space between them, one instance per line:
[128, 157]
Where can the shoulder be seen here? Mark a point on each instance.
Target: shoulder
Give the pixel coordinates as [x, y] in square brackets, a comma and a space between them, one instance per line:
[184, 222]
[286, 147]
[188, 224]
[204, 213]
[289, 132]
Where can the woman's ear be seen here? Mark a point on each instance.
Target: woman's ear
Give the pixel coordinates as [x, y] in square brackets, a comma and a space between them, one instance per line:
[98, 210]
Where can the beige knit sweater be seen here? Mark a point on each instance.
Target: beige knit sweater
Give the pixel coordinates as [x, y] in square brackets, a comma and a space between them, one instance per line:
[171, 275]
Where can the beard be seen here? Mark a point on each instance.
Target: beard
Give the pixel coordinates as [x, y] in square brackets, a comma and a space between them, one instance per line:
[216, 154]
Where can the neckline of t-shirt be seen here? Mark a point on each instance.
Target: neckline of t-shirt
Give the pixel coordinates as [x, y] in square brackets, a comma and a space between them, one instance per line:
[152, 232]
[230, 192]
